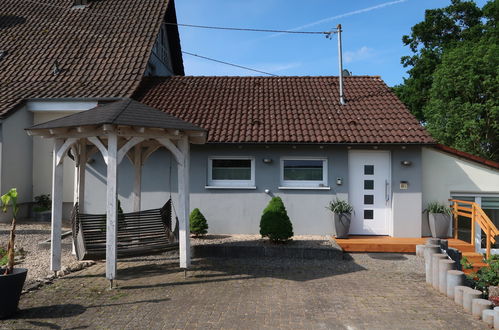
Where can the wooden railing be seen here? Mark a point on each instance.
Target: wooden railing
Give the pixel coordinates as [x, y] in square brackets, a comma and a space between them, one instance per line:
[473, 211]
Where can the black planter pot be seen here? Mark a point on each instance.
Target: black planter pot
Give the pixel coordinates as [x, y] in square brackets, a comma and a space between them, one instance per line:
[342, 224]
[11, 287]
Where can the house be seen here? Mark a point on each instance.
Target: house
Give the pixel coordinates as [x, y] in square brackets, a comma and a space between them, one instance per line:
[97, 52]
[267, 136]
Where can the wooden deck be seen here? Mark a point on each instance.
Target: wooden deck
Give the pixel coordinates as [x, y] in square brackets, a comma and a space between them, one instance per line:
[392, 244]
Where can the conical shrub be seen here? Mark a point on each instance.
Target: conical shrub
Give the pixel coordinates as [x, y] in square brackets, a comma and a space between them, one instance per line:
[198, 223]
[275, 223]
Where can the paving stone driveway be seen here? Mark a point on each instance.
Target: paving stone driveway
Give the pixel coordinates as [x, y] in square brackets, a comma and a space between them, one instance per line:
[369, 291]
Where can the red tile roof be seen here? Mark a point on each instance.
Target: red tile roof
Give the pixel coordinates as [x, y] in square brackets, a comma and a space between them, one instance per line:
[102, 50]
[286, 109]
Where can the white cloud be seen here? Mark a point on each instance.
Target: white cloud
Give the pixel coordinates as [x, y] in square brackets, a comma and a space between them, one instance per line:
[360, 54]
[332, 18]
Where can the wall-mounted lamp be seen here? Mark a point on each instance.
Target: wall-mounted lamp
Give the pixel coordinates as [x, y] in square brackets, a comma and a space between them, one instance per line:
[406, 163]
[267, 160]
[267, 191]
[339, 181]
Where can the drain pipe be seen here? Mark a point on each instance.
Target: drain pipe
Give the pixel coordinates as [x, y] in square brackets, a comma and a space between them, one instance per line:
[340, 64]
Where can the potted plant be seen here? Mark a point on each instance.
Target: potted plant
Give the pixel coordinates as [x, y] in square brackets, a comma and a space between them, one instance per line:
[42, 208]
[439, 217]
[11, 279]
[342, 216]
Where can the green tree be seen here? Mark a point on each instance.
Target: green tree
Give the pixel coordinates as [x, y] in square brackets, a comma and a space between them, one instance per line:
[198, 223]
[463, 109]
[275, 223]
[452, 80]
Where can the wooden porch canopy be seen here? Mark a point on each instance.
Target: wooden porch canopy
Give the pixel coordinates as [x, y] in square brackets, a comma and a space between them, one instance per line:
[125, 128]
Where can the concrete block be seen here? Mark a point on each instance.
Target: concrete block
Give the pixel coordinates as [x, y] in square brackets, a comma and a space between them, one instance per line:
[468, 296]
[488, 317]
[420, 250]
[435, 263]
[459, 293]
[479, 305]
[496, 318]
[454, 278]
[433, 241]
[428, 252]
[444, 265]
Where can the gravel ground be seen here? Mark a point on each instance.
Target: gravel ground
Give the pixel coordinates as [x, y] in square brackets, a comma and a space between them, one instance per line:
[309, 241]
[37, 259]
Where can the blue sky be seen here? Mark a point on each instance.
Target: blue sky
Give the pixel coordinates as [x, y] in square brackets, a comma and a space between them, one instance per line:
[372, 32]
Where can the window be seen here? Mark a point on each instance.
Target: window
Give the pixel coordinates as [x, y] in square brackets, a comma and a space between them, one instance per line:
[231, 172]
[305, 172]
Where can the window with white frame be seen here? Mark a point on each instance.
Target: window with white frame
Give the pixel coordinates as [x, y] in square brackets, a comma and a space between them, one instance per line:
[303, 172]
[231, 171]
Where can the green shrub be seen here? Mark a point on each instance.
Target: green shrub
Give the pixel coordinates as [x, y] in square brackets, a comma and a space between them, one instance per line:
[486, 276]
[3, 257]
[42, 203]
[275, 223]
[436, 207]
[198, 223]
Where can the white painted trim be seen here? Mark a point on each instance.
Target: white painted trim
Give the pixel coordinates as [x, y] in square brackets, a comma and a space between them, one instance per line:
[66, 106]
[137, 183]
[228, 187]
[231, 183]
[98, 143]
[300, 183]
[183, 197]
[168, 144]
[57, 187]
[112, 208]
[63, 149]
[129, 145]
[304, 188]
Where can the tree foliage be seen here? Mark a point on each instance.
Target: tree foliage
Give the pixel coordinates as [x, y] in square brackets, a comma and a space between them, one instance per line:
[275, 223]
[453, 75]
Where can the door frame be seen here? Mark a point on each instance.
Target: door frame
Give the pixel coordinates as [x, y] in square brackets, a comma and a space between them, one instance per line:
[388, 189]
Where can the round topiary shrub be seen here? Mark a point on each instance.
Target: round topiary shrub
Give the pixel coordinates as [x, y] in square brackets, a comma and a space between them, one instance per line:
[198, 223]
[275, 223]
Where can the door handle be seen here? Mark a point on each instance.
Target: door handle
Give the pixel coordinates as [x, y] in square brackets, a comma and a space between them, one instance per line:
[387, 195]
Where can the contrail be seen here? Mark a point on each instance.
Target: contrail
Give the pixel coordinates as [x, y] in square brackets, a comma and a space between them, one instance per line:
[328, 19]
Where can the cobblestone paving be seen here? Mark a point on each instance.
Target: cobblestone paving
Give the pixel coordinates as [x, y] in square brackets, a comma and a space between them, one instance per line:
[367, 291]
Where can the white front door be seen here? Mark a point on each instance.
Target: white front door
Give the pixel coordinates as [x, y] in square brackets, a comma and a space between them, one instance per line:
[369, 191]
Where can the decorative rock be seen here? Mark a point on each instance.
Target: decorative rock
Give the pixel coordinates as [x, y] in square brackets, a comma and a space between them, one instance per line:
[493, 291]
[459, 293]
[496, 318]
[435, 261]
[454, 278]
[468, 297]
[420, 250]
[444, 266]
[479, 305]
[433, 241]
[488, 317]
[428, 252]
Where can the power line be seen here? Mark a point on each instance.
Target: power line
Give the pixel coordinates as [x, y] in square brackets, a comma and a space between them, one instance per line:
[231, 64]
[327, 33]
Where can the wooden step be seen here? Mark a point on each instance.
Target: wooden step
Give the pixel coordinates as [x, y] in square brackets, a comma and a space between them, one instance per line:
[476, 267]
[461, 246]
[473, 256]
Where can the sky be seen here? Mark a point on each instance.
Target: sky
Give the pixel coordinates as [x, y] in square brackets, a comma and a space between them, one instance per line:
[372, 36]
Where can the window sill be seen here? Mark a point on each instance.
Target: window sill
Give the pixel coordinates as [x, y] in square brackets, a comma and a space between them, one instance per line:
[229, 187]
[304, 188]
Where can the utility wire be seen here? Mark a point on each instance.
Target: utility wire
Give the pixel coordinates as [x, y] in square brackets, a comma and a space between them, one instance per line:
[327, 33]
[227, 63]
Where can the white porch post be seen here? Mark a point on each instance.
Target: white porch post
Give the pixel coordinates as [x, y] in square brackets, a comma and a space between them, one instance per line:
[81, 176]
[183, 197]
[57, 176]
[137, 162]
[111, 223]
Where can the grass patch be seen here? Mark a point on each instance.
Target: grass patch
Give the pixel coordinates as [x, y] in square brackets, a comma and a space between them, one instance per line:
[3, 257]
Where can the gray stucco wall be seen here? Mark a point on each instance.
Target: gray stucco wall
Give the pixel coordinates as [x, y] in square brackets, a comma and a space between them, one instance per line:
[17, 158]
[407, 203]
[238, 211]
